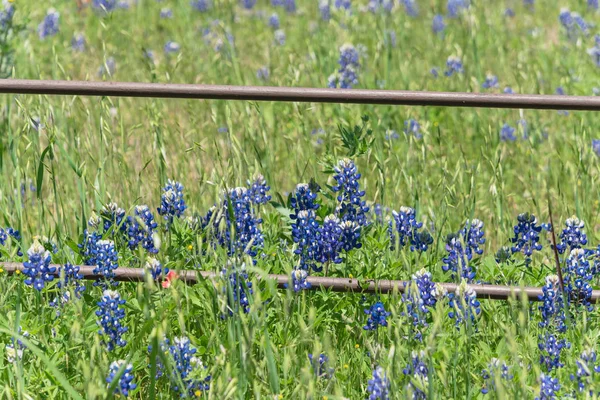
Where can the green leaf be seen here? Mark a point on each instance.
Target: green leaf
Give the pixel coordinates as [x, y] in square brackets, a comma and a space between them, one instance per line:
[40, 172]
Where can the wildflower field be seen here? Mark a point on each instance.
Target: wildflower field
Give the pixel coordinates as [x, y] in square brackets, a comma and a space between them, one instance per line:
[246, 189]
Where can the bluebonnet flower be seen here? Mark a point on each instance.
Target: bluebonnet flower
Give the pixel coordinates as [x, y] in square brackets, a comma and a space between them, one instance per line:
[378, 388]
[166, 13]
[491, 81]
[279, 35]
[342, 4]
[509, 12]
[223, 129]
[88, 248]
[508, 90]
[435, 72]
[299, 281]
[325, 10]
[573, 23]
[171, 201]
[303, 199]
[453, 66]
[527, 235]
[104, 5]
[474, 237]
[457, 258]
[37, 268]
[573, 236]
[6, 14]
[390, 38]
[552, 307]
[69, 276]
[277, 3]
[125, 381]
[141, 229]
[15, 236]
[274, 21]
[200, 5]
[172, 47]
[320, 366]
[350, 235]
[578, 274]
[548, 387]
[419, 376]
[330, 241]
[14, 350]
[248, 4]
[377, 317]
[350, 206]
[263, 73]
[49, 26]
[594, 52]
[186, 364]
[238, 289]
[455, 7]
[305, 232]
[163, 349]
[551, 347]
[78, 43]
[410, 6]
[596, 146]
[507, 133]
[378, 213]
[258, 190]
[412, 127]
[289, 6]
[346, 76]
[496, 371]
[437, 24]
[110, 315]
[420, 295]
[586, 370]
[406, 227]
[383, 5]
[464, 304]
[155, 267]
[106, 258]
[108, 69]
[123, 4]
[593, 4]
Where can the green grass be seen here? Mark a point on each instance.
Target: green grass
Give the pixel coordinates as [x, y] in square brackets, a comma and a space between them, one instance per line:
[94, 150]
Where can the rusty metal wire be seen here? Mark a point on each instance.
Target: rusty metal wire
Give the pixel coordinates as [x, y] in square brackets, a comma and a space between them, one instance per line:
[311, 95]
[384, 286]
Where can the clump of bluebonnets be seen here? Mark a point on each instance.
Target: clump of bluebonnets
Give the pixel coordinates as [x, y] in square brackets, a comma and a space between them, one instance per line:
[347, 75]
[419, 297]
[126, 383]
[454, 66]
[141, 230]
[155, 268]
[107, 261]
[350, 204]
[172, 204]
[407, 231]
[496, 372]
[200, 5]
[378, 387]
[112, 216]
[550, 347]
[455, 7]
[320, 366]
[305, 233]
[37, 268]
[587, 368]
[527, 235]
[49, 26]
[458, 260]
[110, 315]
[578, 275]
[418, 373]
[187, 369]
[438, 25]
[377, 317]
[490, 82]
[258, 190]
[573, 24]
[552, 305]
[573, 236]
[464, 305]
[238, 289]
[548, 387]
[68, 278]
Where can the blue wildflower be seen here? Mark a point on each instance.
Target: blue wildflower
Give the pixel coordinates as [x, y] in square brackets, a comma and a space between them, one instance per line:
[6, 14]
[305, 233]
[78, 43]
[509, 12]
[69, 276]
[125, 381]
[378, 388]
[596, 146]
[346, 76]
[437, 24]
[435, 72]
[172, 204]
[342, 4]
[49, 26]
[166, 13]
[330, 241]
[453, 66]
[108, 69]
[110, 315]
[474, 237]
[412, 127]
[377, 317]
[279, 35]
[263, 73]
[237, 290]
[551, 347]
[548, 387]
[407, 229]
[172, 47]
[248, 4]
[594, 52]
[350, 205]
[155, 267]
[508, 90]
[410, 6]
[507, 133]
[497, 371]
[106, 258]
[418, 373]
[578, 275]
[381, 5]
[420, 295]
[200, 5]
[491, 81]
[455, 7]
[141, 229]
[464, 304]
[186, 364]
[325, 10]
[88, 248]
[303, 199]
[274, 21]
[104, 5]
[593, 4]
[573, 236]
[587, 368]
[320, 366]
[289, 6]
[552, 305]
[258, 190]
[527, 235]
[37, 268]
[458, 259]
[350, 237]
[299, 281]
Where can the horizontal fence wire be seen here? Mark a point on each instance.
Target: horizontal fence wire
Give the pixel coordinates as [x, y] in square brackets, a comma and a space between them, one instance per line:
[292, 94]
[383, 286]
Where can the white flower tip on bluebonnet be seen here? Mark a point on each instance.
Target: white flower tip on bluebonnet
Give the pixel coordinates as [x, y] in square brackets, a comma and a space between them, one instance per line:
[349, 225]
[552, 279]
[94, 220]
[464, 290]
[239, 191]
[439, 291]
[577, 253]
[140, 209]
[152, 263]
[106, 243]
[475, 223]
[331, 218]
[574, 222]
[347, 47]
[37, 249]
[13, 354]
[299, 274]
[111, 294]
[302, 186]
[181, 341]
[111, 208]
[405, 210]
